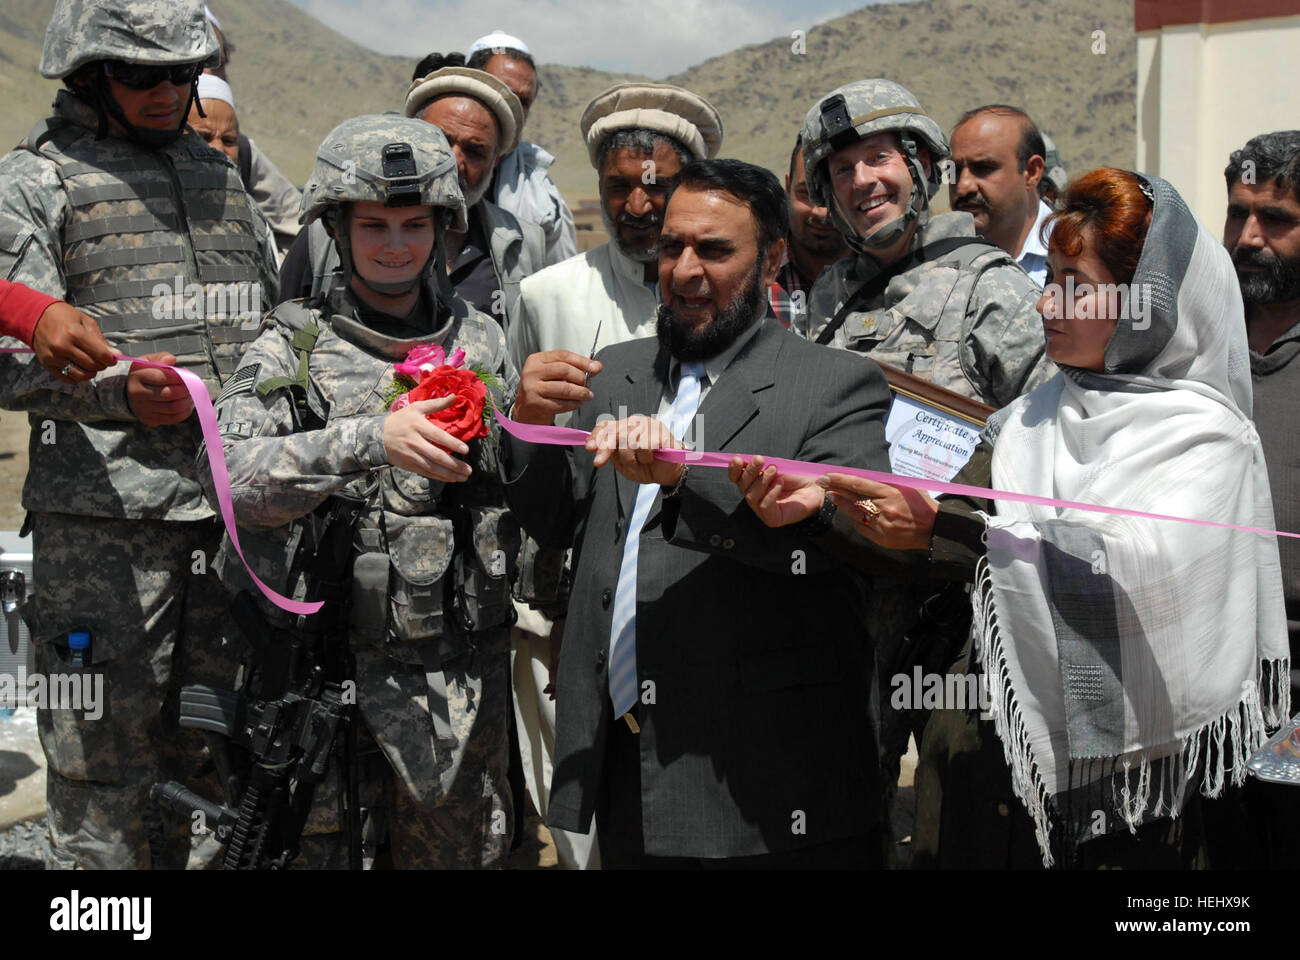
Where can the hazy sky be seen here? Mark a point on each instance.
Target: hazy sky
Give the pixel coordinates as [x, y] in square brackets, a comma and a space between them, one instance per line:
[653, 37]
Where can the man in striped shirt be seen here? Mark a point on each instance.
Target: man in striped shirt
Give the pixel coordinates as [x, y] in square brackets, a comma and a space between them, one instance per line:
[812, 244]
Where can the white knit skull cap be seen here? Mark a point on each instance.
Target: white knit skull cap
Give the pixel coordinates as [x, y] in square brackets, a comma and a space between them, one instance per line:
[212, 87]
[497, 40]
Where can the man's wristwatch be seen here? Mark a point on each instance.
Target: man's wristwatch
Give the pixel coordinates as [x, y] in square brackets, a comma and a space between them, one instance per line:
[818, 523]
[676, 488]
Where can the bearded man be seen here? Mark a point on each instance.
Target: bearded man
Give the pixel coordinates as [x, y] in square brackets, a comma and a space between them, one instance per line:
[696, 632]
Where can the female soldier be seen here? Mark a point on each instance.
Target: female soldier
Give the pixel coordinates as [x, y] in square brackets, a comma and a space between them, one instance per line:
[306, 426]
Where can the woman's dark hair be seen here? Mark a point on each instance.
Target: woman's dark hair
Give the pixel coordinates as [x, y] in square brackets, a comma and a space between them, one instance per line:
[1107, 208]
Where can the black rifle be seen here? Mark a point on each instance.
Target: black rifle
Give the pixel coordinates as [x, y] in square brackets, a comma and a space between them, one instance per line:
[297, 697]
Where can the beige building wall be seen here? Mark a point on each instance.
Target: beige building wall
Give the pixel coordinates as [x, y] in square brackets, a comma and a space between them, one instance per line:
[1203, 90]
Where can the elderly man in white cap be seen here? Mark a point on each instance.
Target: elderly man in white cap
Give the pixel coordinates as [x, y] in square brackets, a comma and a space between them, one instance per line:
[481, 119]
[639, 135]
[522, 184]
[217, 122]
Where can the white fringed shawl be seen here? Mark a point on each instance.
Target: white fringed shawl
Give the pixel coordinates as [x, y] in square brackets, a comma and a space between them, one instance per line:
[1128, 659]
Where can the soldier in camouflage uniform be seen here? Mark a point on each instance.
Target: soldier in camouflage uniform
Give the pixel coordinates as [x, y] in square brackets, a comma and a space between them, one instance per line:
[961, 315]
[956, 311]
[305, 418]
[115, 206]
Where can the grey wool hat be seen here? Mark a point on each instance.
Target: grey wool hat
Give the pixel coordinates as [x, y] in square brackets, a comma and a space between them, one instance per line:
[661, 107]
[483, 87]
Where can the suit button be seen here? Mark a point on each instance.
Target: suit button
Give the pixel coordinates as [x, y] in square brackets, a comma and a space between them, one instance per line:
[715, 541]
[600, 658]
[728, 543]
[605, 597]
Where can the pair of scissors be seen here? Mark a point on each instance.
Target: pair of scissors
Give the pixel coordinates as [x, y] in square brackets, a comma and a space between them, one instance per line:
[586, 382]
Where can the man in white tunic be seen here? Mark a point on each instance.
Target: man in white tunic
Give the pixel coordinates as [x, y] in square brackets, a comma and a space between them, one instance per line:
[638, 137]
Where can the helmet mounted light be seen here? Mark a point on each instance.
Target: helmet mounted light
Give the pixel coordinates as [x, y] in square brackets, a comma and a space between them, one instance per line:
[402, 185]
[837, 125]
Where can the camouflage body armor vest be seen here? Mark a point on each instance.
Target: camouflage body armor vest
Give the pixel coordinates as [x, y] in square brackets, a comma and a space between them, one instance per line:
[921, 322]
[431, 563]
[160, 246]
[901, 327]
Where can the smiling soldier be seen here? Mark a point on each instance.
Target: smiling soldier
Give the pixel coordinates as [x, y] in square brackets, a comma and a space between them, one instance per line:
[431, 552]
[924, 293]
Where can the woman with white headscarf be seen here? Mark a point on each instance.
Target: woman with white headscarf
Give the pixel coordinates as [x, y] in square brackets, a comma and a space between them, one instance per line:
[1131, 663]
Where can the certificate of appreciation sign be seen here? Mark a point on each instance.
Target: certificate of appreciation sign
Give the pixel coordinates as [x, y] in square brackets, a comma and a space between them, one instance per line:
[931, 431]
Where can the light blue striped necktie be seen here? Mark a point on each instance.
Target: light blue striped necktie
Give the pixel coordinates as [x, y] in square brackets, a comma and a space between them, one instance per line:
[622, 630]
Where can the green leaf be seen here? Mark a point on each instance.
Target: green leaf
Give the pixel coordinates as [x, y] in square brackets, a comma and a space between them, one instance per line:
[399, 386]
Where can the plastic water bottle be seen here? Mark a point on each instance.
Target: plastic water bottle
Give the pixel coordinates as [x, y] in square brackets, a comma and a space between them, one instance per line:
[79, 649]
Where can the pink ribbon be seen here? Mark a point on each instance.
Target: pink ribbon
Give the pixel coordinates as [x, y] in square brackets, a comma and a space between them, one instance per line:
[221, 479]
[220, 474]
[567, 436]
[570, 437]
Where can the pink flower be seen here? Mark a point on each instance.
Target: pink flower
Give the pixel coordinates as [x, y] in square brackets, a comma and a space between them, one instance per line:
[421, 364]
[425, 358]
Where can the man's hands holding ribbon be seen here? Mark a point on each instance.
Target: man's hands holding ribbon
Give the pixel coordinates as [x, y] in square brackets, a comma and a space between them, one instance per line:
[630, 446]
[902, 519]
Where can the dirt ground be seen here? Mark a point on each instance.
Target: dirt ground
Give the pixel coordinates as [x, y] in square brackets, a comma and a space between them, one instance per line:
[13, 468]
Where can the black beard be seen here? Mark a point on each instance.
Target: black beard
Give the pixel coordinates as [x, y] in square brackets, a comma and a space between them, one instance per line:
[722, 330]
[1279, 282]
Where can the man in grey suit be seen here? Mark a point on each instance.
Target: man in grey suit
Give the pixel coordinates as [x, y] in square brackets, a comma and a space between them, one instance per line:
[715, 680]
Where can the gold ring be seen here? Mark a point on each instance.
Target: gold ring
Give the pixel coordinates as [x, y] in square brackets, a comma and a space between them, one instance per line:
[869, 508]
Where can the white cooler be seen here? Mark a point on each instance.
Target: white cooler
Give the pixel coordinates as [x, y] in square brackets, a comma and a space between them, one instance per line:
[15, 585]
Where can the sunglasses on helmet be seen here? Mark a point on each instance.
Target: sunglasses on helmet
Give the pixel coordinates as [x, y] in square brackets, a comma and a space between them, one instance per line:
[135, 76]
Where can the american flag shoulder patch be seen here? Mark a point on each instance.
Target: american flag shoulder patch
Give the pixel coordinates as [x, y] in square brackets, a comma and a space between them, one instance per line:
[242, 380]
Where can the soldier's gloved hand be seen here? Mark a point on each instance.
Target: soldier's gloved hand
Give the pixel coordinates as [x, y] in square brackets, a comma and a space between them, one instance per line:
[157, 397]
[554, 381]
[415, 444]
[66, 337]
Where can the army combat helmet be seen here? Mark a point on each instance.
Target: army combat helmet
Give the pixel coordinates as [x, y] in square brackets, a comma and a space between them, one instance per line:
[394, 160]
[139, 33]
[1055, 179]
[859, 110]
